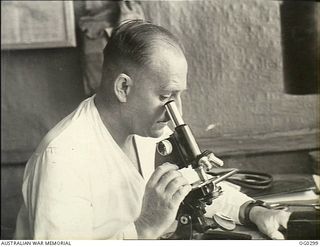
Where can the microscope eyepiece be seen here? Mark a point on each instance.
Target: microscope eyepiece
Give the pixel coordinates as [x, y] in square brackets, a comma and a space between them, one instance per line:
[174, 113]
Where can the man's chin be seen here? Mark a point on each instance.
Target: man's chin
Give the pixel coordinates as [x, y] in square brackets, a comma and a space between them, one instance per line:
[156, 133]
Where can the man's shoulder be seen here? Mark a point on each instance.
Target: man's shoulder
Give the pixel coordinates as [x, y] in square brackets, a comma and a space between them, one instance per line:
[70, 131]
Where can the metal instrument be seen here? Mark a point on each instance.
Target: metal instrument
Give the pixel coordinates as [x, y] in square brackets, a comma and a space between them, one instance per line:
[182, 149]
[287, 205]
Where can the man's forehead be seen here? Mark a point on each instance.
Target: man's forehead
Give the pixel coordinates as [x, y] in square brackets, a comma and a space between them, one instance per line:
[165, 52]
[173, 86]
[168, 68]
[173, 75]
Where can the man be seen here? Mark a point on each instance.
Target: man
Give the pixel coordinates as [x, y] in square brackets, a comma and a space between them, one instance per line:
[93, 175]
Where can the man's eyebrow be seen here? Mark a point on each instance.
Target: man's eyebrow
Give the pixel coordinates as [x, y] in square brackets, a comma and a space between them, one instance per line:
[172, 88]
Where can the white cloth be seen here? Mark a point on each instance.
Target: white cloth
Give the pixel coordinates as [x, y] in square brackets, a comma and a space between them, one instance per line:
[80, 185]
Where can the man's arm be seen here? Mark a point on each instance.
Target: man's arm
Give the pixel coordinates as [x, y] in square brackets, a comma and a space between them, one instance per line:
[235, 204]
[57, 196]
[267, 220]
[164, 193]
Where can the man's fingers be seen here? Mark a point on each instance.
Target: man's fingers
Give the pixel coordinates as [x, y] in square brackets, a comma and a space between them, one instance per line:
[167, 178]
[276, 235]
[181, 193]
[161, 170]
[283, 218]
[280, 220]
[175, 184]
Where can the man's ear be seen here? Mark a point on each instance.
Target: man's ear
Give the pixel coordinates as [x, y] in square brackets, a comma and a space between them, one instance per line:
[122, 87]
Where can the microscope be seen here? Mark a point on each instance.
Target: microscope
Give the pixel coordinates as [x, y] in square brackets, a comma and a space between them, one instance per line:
[182, 149]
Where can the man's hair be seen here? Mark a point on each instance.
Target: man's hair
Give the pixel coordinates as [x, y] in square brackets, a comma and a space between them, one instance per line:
[132, 42]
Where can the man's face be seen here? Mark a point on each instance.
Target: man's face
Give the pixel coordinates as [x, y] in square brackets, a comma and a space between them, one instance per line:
[163, 80]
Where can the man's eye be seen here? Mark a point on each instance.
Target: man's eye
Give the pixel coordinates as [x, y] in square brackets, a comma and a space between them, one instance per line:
[164, 97]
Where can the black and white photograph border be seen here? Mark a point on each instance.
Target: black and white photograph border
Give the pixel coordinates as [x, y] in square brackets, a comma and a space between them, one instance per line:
[249, 98]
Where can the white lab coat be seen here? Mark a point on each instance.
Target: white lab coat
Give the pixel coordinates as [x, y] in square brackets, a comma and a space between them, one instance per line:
[80, 185]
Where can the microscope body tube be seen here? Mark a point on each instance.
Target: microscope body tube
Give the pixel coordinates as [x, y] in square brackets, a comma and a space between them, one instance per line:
[184, 135]
[184, 131]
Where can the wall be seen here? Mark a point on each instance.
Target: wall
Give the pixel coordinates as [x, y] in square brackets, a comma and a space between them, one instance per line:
[39, 87]
[235, 67]
[235, 76]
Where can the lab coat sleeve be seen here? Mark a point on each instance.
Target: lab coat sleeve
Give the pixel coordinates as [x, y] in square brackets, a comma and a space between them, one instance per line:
[129, 232]
[58, 196]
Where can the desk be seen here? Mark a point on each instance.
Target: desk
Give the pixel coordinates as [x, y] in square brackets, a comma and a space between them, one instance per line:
[254, 233]
[240, 233]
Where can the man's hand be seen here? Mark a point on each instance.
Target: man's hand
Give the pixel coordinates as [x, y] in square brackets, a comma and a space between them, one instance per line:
[268, 221]
[163, 195]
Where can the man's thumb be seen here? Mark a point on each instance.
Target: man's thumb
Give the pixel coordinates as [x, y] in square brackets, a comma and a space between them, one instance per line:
[276, 235]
